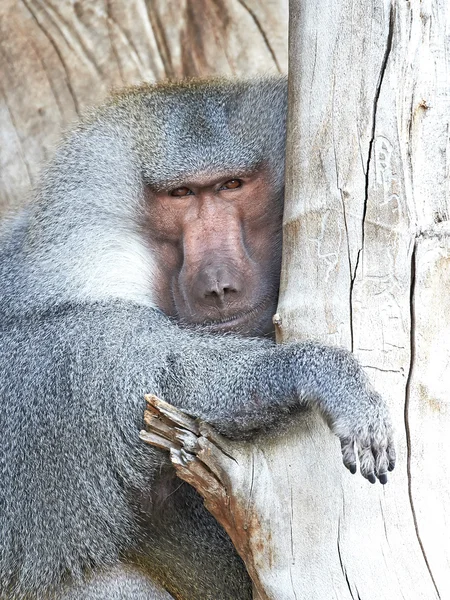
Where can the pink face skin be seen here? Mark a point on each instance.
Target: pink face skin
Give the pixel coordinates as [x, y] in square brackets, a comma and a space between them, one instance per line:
[216, 240]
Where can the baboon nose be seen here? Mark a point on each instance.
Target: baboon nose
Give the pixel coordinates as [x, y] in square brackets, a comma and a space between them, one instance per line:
[216, 286]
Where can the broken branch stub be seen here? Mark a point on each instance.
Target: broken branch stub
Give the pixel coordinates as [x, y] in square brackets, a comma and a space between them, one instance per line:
[219, 469]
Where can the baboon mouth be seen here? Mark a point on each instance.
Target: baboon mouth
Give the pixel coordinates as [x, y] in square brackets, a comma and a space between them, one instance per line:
[230, 322]
[247, 322]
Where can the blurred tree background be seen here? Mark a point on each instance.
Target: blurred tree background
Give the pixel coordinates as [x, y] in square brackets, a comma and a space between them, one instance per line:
[57, 57]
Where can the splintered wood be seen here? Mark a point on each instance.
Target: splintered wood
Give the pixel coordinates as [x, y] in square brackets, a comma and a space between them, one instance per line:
[216, 468]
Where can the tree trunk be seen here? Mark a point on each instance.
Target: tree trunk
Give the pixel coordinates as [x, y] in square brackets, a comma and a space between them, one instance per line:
[367, 266]
[59, 56]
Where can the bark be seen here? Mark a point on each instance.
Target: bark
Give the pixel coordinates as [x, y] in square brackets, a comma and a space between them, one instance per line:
[367, 236]
[57, 57]
[366, 265]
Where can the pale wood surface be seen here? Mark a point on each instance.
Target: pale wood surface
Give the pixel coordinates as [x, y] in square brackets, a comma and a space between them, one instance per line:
[59, 56]
[367, 266]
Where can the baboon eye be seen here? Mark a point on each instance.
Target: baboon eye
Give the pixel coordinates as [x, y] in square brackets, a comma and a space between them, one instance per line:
[181, 191]
[233, 184]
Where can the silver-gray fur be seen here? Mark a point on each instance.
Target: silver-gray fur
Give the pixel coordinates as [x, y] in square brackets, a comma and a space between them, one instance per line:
[88, 511]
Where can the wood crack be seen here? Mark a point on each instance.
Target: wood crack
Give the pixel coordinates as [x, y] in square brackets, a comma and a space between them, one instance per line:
[58, 54]
[384, 62]
[412, 300]
[263, 34]
[341, 562]
[351, 273]
[161, 41]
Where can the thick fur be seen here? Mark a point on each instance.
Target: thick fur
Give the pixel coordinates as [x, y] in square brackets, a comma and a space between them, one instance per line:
[88, 511]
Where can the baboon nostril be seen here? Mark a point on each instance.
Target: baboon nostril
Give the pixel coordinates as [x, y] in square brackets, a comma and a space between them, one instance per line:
[220, 291]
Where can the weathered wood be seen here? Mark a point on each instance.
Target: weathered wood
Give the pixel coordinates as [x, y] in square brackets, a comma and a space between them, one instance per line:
[366, 265]
[57, 57]
[221, 471]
